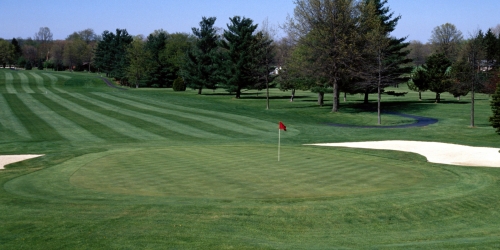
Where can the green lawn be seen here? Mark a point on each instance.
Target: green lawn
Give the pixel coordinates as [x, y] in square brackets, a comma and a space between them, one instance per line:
[157, 169]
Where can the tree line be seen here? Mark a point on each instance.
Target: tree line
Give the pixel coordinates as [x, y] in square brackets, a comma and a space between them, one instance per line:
[331, 46]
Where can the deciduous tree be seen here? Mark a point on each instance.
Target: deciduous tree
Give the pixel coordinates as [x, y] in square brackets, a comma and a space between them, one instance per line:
[446, 39]
[73, 51]
[265, 55]
[468, 71]
[174, 55]
[137, 56]
[6, 53]
[329, 29]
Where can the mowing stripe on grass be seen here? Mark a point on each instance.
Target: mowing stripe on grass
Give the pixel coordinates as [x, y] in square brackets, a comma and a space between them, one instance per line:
[79, 116]
[8, 83]
[16, 83]
[165, 123]
[37, 128]
[65, 127]
[120, 123]
[25, 83]
[63, 76]
[243, 121]
[53, 82]
[10, 121]
[113, 127]
[223, 124]
[39, 82]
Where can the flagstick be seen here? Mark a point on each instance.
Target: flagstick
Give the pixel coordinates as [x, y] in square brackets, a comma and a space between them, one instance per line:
[279, 143]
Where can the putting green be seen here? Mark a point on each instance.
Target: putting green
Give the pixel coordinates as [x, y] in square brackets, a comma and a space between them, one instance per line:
[218, 172]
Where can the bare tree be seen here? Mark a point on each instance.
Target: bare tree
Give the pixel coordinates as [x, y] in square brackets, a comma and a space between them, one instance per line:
[496, 30]
[44, 38]
[268, 53]
[30, 53]
[418, 52]
[468, 69]
[446, 39]
[57, 51]
[43, 35]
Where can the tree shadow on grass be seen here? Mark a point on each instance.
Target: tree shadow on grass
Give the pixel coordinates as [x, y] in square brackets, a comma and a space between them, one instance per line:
[255, 96]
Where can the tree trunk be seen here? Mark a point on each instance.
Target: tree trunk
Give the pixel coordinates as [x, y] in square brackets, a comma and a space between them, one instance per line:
[472, 106]
[335, 106]
[438, 97]
[365, 101]
[267, 93]
[238, 93]
[378, 88]
[420, 95]
[293, 95]
[345, 96]
[321, 96]
[199, 91]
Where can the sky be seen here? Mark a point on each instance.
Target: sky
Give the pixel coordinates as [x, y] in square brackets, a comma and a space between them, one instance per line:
[23, 18]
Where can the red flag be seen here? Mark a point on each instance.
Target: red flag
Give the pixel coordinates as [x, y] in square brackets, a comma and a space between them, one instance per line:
[282, 126]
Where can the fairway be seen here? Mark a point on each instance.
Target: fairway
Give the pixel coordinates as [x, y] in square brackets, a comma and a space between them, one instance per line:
[158, 169]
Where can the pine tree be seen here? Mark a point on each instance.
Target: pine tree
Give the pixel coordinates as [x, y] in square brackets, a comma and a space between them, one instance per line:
[495, 107]
[240, 44]
[158, 69]
[491, 47]
[200, 68]
[110, 54]
[437, 67]
[393, 55]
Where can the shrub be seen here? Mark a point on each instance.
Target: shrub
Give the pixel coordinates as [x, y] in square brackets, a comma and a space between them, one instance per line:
[28, 66]
[495, 107]
[179, 84]
[40, 65]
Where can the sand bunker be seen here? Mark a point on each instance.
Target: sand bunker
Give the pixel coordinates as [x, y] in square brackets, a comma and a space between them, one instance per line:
[8, 159]
[437, 152]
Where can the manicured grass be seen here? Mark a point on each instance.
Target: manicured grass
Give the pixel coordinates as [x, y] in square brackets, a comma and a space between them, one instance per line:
[156, 169]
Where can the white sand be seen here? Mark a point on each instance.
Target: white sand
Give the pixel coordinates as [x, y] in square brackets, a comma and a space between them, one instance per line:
[437, 152]
[8, 159]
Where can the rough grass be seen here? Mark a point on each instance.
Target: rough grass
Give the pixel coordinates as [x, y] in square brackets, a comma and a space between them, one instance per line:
[160, 169]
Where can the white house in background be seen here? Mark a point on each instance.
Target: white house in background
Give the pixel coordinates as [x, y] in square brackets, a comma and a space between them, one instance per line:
[276, 71]
[487, 65]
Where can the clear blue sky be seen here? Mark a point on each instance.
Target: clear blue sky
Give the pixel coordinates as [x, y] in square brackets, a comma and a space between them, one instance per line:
[23, 18]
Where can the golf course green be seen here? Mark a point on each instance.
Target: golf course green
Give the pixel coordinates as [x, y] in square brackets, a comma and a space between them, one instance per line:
[126, 168]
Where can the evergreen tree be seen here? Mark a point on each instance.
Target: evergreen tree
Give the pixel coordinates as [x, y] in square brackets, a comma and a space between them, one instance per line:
[418, 81]
[240, 44]
[17, 49]
[111, 53]
[385, 58]
[200, 69]
[437, 69]
[495, 107]
[157, 74]
[491, 46]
